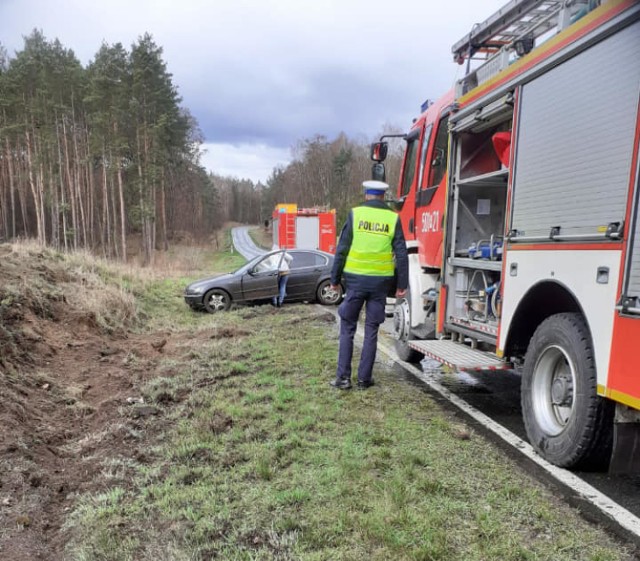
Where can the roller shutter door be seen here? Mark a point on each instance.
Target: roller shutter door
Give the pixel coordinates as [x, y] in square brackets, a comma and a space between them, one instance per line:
[575, 141]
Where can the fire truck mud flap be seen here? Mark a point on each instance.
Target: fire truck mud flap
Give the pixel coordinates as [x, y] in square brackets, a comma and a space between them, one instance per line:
[626, 441]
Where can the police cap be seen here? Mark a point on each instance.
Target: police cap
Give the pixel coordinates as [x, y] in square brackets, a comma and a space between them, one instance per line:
[373, 187]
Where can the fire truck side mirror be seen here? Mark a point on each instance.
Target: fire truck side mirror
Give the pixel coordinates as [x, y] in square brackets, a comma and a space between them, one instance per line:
[396, 204]
[438, 156]
[378, 172]
[379, 151]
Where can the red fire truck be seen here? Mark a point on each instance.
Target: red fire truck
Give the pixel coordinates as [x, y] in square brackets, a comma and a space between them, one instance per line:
[519, 201]
[304, 228]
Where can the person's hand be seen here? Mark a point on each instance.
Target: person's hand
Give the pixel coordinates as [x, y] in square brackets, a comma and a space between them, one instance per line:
[401, 292]
[334, 287]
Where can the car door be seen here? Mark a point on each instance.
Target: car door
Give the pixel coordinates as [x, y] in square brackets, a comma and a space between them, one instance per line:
[261, 281]
[306, 267]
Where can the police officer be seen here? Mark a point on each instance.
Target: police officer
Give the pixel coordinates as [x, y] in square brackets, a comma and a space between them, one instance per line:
[370, 239]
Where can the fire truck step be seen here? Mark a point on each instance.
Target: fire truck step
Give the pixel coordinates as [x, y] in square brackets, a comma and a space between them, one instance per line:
[459, 356]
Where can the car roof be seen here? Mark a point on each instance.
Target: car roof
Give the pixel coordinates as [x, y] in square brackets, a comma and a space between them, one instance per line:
[301, 249]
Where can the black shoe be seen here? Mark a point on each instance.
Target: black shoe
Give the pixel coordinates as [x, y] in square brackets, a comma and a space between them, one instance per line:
[341, 384]
[363, 385]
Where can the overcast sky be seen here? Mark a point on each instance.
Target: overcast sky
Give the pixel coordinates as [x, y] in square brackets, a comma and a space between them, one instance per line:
[259, 75]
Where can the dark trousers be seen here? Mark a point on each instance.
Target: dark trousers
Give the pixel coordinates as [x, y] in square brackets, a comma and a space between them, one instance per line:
[374, 299]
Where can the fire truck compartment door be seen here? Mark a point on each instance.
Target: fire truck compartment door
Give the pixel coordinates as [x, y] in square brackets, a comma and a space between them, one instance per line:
[276, 233]
[631, 287]
[307, 232]
[575, 141]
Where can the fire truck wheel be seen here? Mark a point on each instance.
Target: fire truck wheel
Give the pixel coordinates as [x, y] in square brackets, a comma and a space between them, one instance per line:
[326, 296]
[216, 300]
[566, 421]
[402, 331]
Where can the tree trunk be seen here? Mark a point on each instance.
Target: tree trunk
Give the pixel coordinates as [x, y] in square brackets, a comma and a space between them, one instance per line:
[115, 247]
[78, 190]
[123, 215]
[32, 185]
[40, 184]
[123, 212]
[106, 222]
[143, 218]
[55, 208]
[70, 179]
[63, 200]
[163, 215]
[22, 197]
[91, 204]
[11, 187]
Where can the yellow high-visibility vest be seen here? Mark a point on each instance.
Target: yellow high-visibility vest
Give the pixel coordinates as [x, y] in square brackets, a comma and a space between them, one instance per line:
[371, 251]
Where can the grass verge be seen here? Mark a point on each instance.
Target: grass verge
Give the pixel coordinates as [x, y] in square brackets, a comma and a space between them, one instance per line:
[161, 297]
[255, 458]
[262, 237]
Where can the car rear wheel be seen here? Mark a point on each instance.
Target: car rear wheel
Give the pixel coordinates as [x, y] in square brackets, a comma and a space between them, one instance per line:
[326, 295]
[217, 300]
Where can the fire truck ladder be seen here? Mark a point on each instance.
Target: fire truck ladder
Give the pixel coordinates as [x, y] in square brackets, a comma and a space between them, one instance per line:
[515, 27]
[290, 231]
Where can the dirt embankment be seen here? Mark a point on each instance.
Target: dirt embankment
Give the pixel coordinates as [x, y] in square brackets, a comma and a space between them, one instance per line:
[70, 373]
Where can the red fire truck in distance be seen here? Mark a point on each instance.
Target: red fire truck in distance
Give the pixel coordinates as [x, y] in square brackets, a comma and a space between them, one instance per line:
[304, 228]
[519, 201]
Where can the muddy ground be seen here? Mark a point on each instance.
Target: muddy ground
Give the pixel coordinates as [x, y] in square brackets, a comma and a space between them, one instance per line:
[76, 407]
[70, 402]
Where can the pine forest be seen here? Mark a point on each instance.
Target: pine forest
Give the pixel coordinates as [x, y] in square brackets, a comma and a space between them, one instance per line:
[94, 157]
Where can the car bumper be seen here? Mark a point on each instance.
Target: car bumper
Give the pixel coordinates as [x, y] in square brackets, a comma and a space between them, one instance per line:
[194, 300]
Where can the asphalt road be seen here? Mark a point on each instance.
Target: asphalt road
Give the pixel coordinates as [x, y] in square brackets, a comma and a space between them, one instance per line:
[497, 395]
[244, 244]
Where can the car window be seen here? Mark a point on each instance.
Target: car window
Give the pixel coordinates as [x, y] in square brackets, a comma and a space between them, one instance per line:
[321, 260]
[248, 266]
[269, 263]
[441, 153]
[306, 259]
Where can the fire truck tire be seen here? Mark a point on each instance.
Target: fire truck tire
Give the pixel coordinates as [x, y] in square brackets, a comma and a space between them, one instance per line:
[406, 353]
[216, 300]
[566, 421]
[402, 331]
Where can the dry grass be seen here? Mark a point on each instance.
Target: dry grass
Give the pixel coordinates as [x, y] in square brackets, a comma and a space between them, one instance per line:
[108, 294]
[45, 281]
[262, 237]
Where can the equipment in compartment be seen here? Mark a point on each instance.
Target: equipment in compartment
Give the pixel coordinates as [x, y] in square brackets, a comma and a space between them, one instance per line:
[502, 146]
[487, 249]
[482, 302]
[480, 221]
[481, 177]
[477, 295]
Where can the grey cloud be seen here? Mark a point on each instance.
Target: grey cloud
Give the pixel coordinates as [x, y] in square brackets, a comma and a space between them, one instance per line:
[275, 71]
[324, 100]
